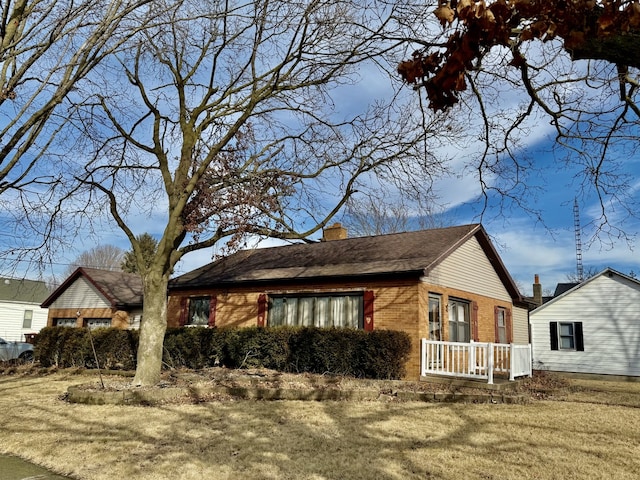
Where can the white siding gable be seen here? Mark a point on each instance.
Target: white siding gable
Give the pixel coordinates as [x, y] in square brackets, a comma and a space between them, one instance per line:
[468, 269]
[81, 294]
[609, 308]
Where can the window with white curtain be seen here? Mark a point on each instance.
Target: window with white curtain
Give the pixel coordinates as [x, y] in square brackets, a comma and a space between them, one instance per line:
[65, 322]
[335, 310]
[93, 323]
[199, 311]
[501, 325]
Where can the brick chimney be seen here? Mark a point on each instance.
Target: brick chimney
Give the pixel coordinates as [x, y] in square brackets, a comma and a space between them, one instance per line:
[334, 232]
[537, 290]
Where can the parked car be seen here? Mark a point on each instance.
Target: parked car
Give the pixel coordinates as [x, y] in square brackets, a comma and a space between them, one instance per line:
[15, 351]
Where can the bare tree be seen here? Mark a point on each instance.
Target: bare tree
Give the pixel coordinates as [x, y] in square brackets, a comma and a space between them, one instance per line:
[378, 213]
[225, 123]
[107, 257]
[589, 272]
[514, 66]
[47, 49]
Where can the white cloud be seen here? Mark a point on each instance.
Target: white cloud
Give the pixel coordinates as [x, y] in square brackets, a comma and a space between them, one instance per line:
[526, 251]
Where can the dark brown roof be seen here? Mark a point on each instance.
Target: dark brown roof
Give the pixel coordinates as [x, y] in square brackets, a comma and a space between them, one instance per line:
[394, 254]
[121, 289]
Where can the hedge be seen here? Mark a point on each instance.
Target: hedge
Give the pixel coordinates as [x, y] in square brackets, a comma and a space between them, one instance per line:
[71, 347]
[380, 354]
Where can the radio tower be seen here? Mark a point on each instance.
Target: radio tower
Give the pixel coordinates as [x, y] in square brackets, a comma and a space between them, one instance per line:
[576, 225]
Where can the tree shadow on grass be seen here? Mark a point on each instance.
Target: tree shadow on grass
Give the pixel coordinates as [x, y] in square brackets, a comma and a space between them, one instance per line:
[317, 440]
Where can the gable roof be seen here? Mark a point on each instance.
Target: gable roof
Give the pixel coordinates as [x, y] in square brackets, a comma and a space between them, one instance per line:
[22, 290]
[563, 287]
[610, 272]
[409, 253]
[121, 289]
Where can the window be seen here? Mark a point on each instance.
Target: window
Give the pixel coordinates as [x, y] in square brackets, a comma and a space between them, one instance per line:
[28, 317]
[336, 310]
[93, 323]
[501, 325]
[566, 336]
[459, 321]
[64, 322]
[135, 320]
[198, 311]
[435, 317]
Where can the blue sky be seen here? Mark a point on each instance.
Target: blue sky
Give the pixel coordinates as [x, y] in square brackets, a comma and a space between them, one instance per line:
[526, 246]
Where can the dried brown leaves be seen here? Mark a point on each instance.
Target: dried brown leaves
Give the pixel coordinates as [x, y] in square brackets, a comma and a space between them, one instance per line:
[482, 25]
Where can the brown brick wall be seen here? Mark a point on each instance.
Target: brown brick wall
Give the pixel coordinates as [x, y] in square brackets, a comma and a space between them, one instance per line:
[119, 318]
[486, 310]
[233, 309]
[398, 305]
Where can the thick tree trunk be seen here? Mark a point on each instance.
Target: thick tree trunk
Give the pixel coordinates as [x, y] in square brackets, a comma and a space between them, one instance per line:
[622, 49]
[152, 330]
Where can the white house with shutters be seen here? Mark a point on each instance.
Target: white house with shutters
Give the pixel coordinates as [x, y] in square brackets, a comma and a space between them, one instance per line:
[592, 328]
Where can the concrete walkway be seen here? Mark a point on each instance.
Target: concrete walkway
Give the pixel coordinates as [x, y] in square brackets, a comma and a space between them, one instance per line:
[14, 468]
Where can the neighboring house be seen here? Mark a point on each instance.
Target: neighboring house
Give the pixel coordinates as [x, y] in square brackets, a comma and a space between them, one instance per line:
[439, 284]
[96, 298]
[20, 313]
[594, 327]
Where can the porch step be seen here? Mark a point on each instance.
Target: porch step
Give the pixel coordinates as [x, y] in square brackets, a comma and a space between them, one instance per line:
[498, 382]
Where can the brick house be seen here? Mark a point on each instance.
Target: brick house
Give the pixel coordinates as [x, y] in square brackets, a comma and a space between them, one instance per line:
[94, 298]
[438, 284]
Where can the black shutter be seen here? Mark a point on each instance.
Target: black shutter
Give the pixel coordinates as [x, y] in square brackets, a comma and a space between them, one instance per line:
[553, 334]
[578, 331]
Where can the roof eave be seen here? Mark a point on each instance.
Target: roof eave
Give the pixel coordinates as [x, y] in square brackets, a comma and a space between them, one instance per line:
[195, 285]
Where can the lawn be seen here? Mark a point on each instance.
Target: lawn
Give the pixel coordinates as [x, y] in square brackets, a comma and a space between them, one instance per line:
[580, 433]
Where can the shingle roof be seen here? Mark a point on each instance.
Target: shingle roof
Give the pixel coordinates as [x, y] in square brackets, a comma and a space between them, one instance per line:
[564, 287]
[400, 253]
[22, 290]
[121, 289]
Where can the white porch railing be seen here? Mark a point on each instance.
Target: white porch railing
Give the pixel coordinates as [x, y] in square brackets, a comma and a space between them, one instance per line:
[475, 360]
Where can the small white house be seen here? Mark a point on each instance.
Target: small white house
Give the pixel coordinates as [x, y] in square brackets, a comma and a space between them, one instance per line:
[592, 328]
[20, 311]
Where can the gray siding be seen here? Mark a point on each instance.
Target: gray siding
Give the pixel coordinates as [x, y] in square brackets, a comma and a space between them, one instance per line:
[520, 321]
[609, 309]
[469, 269]
[81, 294]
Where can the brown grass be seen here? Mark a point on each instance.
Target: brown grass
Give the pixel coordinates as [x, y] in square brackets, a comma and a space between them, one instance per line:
[564, 436]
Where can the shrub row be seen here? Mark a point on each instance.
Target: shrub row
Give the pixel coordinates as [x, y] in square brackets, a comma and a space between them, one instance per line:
[72, 347]
[378, 354]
